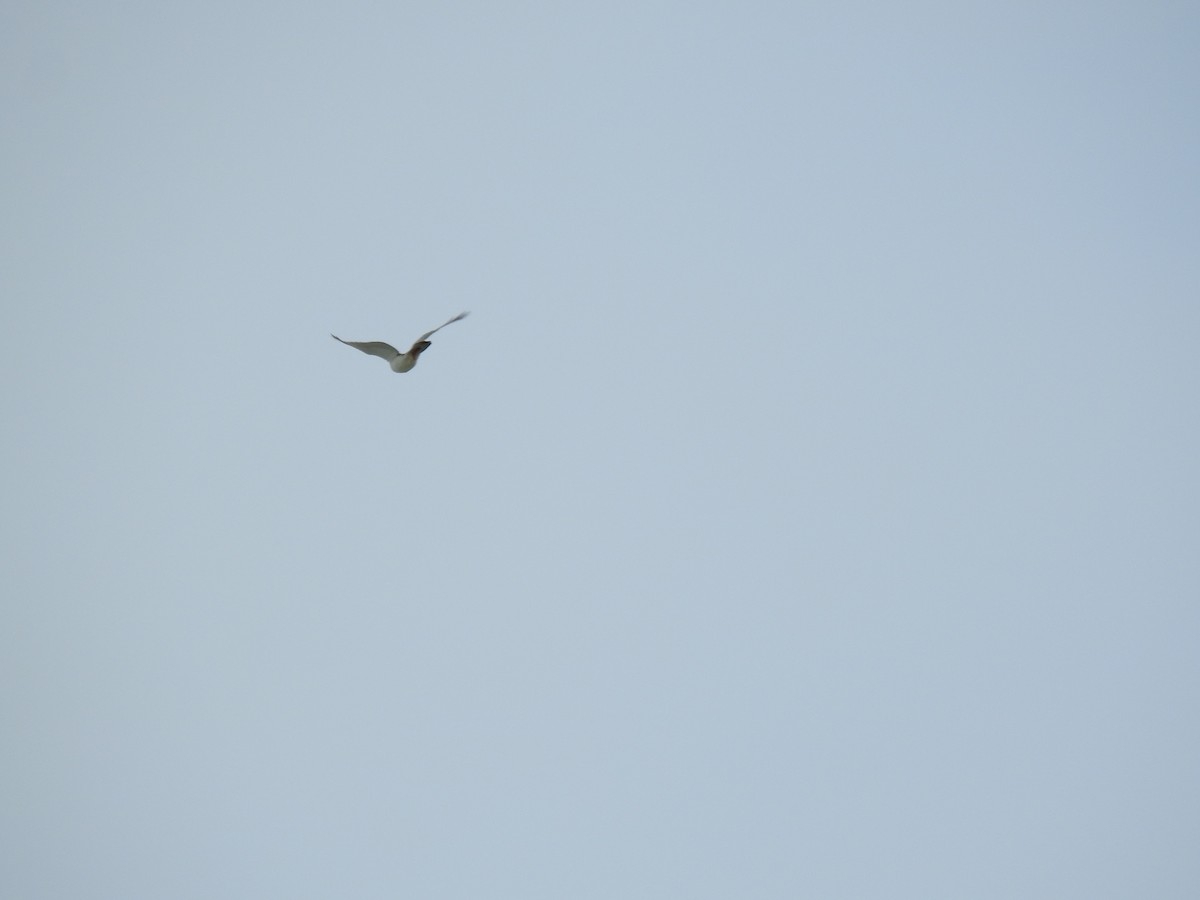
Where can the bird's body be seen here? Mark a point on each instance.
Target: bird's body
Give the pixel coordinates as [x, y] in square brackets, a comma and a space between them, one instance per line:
[400, 362]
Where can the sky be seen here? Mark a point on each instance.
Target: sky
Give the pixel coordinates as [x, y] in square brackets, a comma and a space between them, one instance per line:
[809, 506]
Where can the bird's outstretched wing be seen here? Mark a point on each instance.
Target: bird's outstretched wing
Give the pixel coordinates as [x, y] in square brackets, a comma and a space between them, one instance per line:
[375, 348]
[425, 336]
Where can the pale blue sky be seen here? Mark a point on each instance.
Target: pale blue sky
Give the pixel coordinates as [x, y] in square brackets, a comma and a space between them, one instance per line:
[808, 508]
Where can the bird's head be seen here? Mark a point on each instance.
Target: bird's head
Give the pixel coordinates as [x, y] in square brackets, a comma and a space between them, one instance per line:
[419, 347]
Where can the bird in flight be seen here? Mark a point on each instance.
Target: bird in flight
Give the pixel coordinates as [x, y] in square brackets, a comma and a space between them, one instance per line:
[400, 362]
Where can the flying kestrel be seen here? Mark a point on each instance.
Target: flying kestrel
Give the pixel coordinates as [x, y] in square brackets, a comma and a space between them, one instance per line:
[400, 362]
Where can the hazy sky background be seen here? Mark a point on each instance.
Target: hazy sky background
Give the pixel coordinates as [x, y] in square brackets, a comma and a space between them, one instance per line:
[809, 507]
